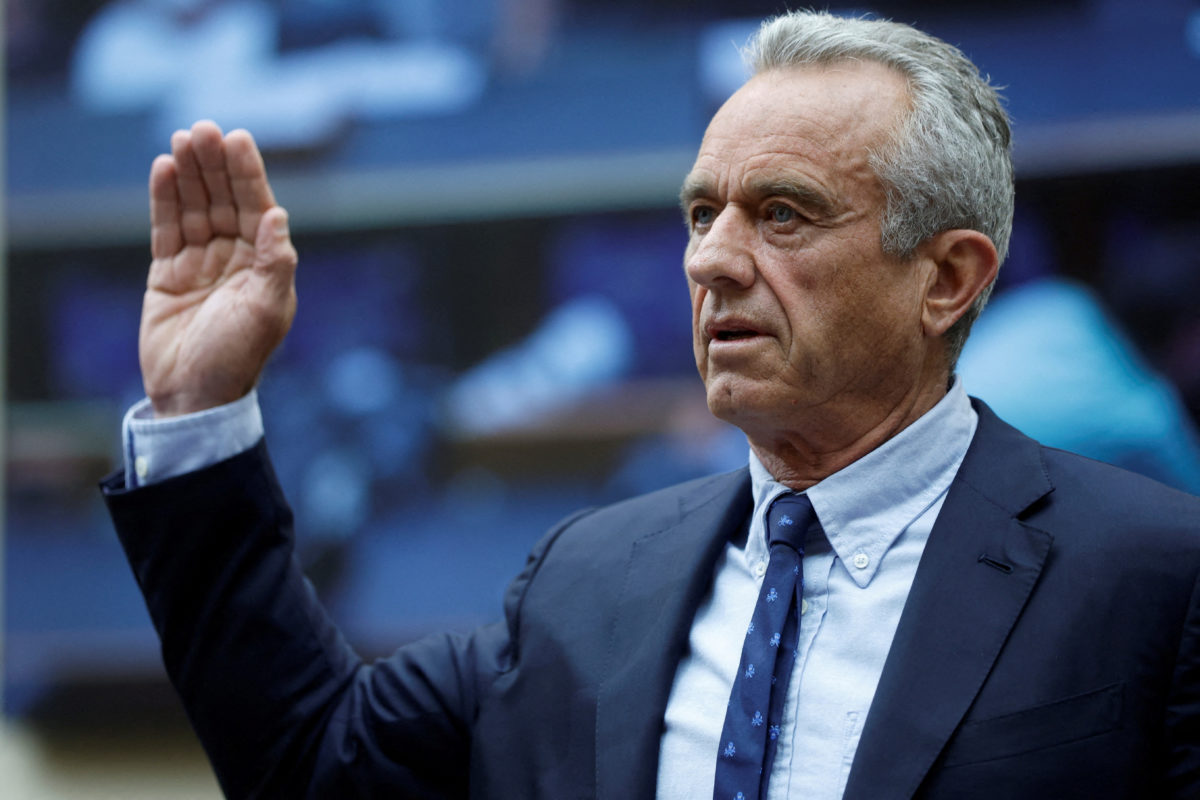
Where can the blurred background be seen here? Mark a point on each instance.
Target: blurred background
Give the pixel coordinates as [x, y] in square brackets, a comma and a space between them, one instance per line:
[493, 321]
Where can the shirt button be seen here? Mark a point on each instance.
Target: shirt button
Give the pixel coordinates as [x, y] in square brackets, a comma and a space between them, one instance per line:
[862, 560]
[760, 569]
[803, 606]
[141, 466]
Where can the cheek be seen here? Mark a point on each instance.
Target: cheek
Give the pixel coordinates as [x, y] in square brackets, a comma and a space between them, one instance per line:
[697, 294]
[802, 303]
[882, 325]
[834, 322]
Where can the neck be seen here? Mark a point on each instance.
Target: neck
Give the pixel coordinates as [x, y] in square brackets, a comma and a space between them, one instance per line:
[825, 441]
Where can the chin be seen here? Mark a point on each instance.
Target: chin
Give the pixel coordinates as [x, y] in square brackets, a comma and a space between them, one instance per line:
[732, 401]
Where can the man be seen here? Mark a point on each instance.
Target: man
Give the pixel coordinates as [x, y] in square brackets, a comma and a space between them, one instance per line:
[973, 615]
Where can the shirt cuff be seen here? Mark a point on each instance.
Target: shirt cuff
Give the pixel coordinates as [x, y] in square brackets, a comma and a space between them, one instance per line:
[157, 449]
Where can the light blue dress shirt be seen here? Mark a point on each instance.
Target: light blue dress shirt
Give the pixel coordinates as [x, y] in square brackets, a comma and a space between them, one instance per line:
[876, 514]
[157, 449]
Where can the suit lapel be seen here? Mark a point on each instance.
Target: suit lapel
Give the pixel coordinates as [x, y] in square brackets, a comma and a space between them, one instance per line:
[669, 573]
[978, 570]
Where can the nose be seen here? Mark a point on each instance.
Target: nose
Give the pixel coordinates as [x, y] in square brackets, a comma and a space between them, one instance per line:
[722, 256]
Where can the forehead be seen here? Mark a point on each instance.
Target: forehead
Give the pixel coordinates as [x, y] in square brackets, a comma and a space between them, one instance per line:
[820, 122]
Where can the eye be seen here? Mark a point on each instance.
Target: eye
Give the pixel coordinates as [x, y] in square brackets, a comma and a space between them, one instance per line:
[782, 214]
[703, 216]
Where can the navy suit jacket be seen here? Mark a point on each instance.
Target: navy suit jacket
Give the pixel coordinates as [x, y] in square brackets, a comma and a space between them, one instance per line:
[1049, 648]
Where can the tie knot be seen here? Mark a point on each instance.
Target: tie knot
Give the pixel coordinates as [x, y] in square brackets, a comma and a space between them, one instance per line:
[788, 519]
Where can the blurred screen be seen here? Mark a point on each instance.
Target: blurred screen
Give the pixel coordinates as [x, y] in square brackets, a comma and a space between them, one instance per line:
[493, 320]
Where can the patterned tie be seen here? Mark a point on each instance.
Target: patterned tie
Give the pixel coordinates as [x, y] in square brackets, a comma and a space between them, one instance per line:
[756, 703]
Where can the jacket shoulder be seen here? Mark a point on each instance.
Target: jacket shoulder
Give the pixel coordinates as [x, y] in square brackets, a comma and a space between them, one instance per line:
[664, 506]
[1030, 479]
[1108, 496]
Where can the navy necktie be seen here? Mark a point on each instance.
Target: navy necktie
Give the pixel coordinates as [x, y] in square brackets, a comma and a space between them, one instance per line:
[752, 719]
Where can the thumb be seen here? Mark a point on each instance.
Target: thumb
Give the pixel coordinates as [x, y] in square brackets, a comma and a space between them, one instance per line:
[274, 253]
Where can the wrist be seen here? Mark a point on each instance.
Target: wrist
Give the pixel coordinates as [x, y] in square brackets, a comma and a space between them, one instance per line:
[177, 404]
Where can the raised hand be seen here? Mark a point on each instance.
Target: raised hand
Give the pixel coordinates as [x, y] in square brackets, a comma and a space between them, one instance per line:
[221, 293]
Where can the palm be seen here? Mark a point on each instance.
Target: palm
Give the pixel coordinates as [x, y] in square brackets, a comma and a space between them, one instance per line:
[220, 295]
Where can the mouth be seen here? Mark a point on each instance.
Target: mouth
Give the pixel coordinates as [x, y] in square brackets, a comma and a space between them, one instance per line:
[734, 335]
[731, 331]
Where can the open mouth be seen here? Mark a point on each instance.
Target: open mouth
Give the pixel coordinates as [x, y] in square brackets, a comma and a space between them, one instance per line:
[732, 336]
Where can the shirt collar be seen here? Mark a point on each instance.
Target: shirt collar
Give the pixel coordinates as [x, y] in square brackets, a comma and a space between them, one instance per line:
[864, 507]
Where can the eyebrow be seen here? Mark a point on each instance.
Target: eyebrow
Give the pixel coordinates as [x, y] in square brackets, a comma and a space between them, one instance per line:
[694, 187]
[803, 193]
[800, 192]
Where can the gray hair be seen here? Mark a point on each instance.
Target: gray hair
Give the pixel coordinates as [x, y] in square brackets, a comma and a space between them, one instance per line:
[948, 165]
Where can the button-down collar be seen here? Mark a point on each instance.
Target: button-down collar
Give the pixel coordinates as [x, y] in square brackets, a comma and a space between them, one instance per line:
[864, 507]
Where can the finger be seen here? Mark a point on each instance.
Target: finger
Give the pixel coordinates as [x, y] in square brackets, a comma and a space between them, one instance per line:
[166, 238]
[248, 179]
[193, 197]
[209, 145]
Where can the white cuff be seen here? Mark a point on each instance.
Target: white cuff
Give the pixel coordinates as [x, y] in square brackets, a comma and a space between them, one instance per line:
[157, 449]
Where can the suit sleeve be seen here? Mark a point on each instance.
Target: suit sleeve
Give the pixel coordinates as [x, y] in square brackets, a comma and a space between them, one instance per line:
[1183, 708]
[281, 703]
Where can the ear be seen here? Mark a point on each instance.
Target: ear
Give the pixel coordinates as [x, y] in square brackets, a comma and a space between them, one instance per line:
[964, 264]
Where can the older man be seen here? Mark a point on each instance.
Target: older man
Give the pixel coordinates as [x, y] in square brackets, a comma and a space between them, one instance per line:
[900, 596]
